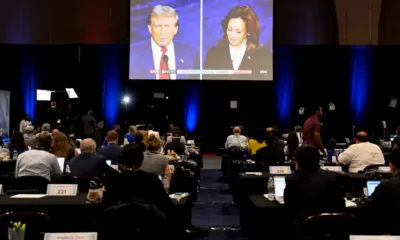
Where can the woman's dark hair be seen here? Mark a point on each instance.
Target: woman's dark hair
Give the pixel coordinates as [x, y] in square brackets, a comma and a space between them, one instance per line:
[132, 156]
[292, 142]
[259, 135]
[247, 14]
[17, 142]
[177, 132]
[307, 158]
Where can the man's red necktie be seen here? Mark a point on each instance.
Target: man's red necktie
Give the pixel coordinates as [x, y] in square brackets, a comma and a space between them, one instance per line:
[164, 65]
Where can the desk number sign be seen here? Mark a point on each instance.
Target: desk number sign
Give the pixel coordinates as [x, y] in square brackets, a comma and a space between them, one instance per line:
[62, 189]
[72, 236]
[279, 170]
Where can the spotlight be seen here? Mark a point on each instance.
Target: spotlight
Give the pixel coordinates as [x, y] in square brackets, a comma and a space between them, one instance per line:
[126, 99]
[166, 97]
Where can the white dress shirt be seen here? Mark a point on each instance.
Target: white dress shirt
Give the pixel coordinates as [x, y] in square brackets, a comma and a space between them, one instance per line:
[157, 54]
[237, 141]
[237, 55]
[359, 156]
[155, 133]
[23, 125]
[37, 163]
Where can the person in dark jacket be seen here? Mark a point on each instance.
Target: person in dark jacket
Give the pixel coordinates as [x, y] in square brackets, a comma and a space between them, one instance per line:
[112, 151]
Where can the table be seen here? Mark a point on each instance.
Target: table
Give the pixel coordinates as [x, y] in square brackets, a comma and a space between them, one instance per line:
[264, 219]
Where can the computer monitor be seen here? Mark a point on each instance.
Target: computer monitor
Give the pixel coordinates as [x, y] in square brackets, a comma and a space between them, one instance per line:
[371, 185]
[61, 161]
[280, 185]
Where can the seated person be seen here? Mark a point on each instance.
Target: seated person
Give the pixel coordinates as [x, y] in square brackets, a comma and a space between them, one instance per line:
[175, 145]
[270, 154]
[88, 163]
[362, 154]
[292, 145]
[150, 130]
[112, 151]
[39, 162]
[279, 143]
[176, 133]
[236, 139]
[311, 190]
[17, 143]
[135, 183]
[385, 200]
[257, 141]
[155, 162]
[62, 148]
[139, 140]
[130, 136]
[29, 137]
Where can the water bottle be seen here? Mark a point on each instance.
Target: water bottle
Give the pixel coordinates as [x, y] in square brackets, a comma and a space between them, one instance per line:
[15, 154]
[271, 189]
[330, 156]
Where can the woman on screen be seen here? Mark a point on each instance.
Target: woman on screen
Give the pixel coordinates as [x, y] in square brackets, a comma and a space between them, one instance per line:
[239, 49]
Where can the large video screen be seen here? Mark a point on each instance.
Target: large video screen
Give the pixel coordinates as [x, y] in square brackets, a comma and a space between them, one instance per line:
[201, 40]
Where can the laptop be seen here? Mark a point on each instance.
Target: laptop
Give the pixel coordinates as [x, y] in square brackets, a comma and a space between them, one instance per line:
[347, 140]
[61, 161]
[280, 185]
[108, 162]
[371, 185]
[332, 168]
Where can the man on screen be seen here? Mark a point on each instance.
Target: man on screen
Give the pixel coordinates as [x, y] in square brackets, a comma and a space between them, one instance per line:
[160, 56]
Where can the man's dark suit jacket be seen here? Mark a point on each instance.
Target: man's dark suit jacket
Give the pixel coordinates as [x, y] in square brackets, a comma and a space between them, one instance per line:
[218, 57]
[269, 154]
[90, 164]
[309, 193]
[382, 205]
[142, 62]
[111, 152]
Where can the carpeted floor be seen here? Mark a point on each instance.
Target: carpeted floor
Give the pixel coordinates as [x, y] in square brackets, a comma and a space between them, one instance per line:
[214, 209]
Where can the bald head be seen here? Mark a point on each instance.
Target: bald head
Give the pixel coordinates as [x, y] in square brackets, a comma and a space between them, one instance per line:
[54, 132]
[88, 145]
[270, 129]
[362, 137]
[236, 130]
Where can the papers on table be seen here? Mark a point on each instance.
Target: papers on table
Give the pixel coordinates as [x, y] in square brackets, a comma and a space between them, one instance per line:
[28, 196]
[254, 173]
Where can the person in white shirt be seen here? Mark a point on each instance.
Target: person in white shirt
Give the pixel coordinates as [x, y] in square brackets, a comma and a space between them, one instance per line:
[24, 123]
[236, 140]
[362, 154]
[150, 129]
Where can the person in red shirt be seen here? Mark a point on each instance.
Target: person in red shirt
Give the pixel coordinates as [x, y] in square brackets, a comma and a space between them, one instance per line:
[312, 130]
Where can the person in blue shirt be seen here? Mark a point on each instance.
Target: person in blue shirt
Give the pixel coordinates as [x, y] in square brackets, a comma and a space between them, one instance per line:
[130, 136]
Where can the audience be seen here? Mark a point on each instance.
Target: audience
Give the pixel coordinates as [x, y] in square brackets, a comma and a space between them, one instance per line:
[132, 182]
[150, 130]
[88, 163]
[112, 151]
[236, 140]
[311, 190]
[17, 143]
[176, 134]
[140, 141]
[257, 142]
[62, 148]
[270, 154]
[292, 143]
[45, 128]
[155, 162]
[384, 201]
[176, 142]
[130, 135]
[362, 154]
[39, 162]
[30, 137]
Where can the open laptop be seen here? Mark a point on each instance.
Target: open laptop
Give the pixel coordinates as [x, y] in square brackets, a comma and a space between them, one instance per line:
[280, 185]
[347, 140]
[371, 185]
[108, 162]
[332, 168]
[61, 161]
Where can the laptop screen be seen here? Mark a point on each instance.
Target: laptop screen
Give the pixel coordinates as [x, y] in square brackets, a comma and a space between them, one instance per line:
[371, 185]
[280, 185]
[108, 162]
[61, 161]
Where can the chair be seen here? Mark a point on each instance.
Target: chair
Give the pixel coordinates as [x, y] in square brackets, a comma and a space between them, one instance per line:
[84, 182]
[31, 184]
[36, 223]
[329, 226]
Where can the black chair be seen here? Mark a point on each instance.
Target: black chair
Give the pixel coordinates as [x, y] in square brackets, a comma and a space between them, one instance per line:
[84, 182]
[36, 223]
[31, 184]
[336, 226]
